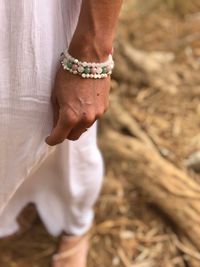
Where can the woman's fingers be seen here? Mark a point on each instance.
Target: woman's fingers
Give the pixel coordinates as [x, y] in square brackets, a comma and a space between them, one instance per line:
[87, 120]
[81, 127]
[76, 133]
[70, 127]
[65, 124]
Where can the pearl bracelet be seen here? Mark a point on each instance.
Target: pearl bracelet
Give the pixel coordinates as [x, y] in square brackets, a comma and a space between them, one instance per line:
[85, 69]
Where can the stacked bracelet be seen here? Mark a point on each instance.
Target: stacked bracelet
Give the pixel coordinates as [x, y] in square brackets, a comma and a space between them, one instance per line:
[85, 69]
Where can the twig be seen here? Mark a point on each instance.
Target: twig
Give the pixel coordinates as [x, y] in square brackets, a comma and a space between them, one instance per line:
[124, 258]
[186, 250]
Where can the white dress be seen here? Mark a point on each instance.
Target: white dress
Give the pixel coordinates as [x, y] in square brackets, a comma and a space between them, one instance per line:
[63, 181]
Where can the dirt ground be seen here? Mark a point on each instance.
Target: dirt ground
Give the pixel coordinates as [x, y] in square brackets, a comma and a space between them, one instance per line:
[127, 231]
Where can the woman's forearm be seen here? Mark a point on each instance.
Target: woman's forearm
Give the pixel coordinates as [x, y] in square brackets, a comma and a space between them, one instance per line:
[95, 31]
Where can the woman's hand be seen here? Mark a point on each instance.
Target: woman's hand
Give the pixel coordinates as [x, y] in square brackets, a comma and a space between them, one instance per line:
[77, 104]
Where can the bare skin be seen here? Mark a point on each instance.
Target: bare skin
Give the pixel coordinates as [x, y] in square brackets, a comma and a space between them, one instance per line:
[77, 102]
[79, 255]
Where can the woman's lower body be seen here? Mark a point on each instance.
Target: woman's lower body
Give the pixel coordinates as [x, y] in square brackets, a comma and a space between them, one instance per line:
[63, 181]
[64, 189]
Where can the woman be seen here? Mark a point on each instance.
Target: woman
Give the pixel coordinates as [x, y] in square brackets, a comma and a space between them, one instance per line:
[49, 154]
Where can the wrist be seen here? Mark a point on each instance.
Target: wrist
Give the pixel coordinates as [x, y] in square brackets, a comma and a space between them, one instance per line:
[90, 48]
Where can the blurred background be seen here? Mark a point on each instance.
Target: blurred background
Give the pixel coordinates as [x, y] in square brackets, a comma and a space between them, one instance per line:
[148, 214]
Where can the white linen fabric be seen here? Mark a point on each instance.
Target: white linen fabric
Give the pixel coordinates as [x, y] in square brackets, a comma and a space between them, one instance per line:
[63, 181]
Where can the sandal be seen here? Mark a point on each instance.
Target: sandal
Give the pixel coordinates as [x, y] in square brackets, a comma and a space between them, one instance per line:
[78, 245]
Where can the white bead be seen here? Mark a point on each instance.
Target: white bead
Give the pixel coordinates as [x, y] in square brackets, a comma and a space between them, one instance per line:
[80, 69]
[99, 70]
[66, 57]
[64, 61]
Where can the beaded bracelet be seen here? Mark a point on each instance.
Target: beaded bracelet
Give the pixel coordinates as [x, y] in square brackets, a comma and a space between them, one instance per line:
[85, 69]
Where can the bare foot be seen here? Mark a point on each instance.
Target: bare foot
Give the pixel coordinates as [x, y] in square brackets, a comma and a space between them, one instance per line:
[73, 252]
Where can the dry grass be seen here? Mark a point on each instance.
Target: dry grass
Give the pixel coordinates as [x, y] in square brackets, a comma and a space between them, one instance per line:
[180, 7]
[128, 232]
